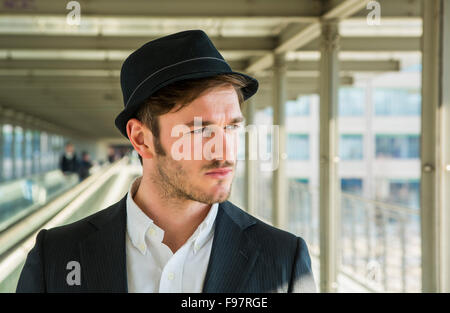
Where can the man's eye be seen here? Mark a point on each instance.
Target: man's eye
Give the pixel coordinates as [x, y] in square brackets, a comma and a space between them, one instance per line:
[208, 130]
[198, 130]
[232, 127]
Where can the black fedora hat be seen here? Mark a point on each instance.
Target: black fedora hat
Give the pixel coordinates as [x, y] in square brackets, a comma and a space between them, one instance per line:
[185, 55]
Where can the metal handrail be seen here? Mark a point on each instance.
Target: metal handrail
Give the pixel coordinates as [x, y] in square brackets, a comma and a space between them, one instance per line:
[53, 215]
[375, 237]
[394, 207]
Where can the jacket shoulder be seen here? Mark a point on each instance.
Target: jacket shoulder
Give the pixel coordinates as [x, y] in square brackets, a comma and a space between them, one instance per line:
[261, 231]
[282, 255]
[78, 230]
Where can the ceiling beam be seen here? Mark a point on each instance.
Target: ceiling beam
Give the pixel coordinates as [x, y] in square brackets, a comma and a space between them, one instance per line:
[113, 65]
[356, 66]
[372, 44]
[74, 42]
[300, 10]
[97, 85]
[350, 66]
[398, 9]
[305, 35]
[172, 8]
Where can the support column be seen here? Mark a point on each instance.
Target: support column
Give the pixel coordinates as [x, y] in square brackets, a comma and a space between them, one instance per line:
[250, 157]
[328, 185]
[445, 143]
[435, 142]
[279, 188]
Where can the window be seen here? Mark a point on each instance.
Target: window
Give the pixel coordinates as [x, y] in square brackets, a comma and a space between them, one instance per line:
[28, 153]
[397, 146]
[268, 111]
[351, 147]
[18, 153]
[352, 185]
[36, 151]
[397, 102]
[298, 147]
[299, 107]
[7, 146]
[304, 181]
[44, 152]
[351, 101]
[405, 192]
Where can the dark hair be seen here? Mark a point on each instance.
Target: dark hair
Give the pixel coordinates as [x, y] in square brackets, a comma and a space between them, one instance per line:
[182, 93]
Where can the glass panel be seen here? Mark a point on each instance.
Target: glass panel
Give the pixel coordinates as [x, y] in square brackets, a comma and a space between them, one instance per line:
[351, 147]
[28, 152]
[18, 151]
[36, 151]
[404, 192]
[7, 152]
[351, 101]
[397, 102]
[352, 185]
[44, 152]
[379, 178]
[299, 107]
[298, 147]
[397, 146]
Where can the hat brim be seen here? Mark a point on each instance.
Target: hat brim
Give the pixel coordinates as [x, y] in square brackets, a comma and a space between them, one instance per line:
[131, 108]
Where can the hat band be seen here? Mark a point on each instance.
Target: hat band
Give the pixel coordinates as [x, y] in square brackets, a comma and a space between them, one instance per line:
[166, 67]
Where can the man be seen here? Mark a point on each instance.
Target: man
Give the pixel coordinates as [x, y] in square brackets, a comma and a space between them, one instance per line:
[68, 162]
[85, 166]
[111, 155]
[174, 231]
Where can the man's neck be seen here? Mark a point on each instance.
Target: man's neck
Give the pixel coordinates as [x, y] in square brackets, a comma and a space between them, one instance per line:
[178, 218]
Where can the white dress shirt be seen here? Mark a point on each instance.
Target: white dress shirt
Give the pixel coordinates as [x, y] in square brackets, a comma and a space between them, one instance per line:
[152, 266]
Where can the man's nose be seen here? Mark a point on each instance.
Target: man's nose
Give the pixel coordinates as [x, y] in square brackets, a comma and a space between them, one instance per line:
[224, 147]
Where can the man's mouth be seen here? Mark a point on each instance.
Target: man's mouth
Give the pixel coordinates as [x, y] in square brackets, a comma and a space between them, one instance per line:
[219, 173]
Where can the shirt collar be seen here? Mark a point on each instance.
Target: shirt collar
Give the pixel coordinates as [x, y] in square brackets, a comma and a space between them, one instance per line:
[138, 223]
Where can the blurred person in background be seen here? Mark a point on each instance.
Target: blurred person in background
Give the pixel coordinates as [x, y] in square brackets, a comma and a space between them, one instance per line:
[85, 165]
[68, 162]
[111, 155]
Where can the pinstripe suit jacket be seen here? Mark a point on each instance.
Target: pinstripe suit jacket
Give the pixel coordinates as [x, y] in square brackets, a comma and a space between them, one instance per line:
[247, 255]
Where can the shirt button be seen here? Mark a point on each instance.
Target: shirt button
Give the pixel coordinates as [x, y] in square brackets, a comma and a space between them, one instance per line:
[170, 276]
[196, 247]
[151, 231]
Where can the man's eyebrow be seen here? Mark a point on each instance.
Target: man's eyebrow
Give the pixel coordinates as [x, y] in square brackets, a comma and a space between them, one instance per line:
[235, 120]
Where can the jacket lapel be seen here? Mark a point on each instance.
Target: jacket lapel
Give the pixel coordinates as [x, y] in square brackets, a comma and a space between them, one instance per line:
[233, 253]
[103, 254]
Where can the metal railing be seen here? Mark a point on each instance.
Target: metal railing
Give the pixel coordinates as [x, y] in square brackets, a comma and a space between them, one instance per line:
[380, 245]
[83, 199]
[380, 242]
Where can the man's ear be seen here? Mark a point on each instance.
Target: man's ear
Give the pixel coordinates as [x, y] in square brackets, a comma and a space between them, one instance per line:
[141, 138]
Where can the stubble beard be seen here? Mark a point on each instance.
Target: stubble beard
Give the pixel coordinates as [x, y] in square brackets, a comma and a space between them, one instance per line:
[173, 182]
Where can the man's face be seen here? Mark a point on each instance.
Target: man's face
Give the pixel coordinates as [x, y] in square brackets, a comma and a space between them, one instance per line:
[192, 177]
[69, 148]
